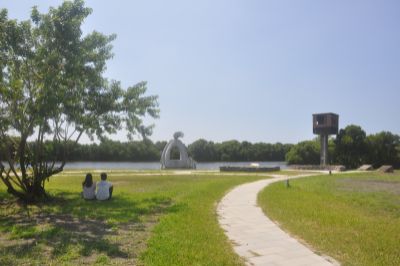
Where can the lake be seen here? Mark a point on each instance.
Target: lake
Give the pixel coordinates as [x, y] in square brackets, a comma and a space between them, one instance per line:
[156, 165]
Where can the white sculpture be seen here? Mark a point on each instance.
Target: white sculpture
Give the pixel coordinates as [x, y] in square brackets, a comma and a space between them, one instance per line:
[184, 162]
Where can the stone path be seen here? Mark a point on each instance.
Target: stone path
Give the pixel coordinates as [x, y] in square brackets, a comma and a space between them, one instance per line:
[255, 237]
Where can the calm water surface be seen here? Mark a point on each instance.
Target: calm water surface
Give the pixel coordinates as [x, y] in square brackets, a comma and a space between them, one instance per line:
[156, 165]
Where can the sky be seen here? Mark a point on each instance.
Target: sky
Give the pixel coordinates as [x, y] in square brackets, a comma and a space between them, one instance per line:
[253, 70]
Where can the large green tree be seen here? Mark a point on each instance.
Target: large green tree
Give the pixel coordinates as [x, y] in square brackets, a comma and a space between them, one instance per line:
[351, 146]
[52, 87]
[203, 151]
[383, 148]
[305, 152]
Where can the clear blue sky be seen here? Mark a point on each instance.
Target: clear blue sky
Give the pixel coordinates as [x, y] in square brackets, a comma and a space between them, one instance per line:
[254, 70]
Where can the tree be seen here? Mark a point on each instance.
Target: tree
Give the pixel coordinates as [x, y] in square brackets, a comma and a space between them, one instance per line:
[203, 151]
[305, 152]
[229, 150]
[246, 151]
[52, 87]
[383, 149]
[351, 146]
[160, 145]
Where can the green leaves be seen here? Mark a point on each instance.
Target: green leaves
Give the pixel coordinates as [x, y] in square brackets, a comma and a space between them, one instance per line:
[52, 84]
[305, 152]
[57, 74]
[351, 146]
[383, 148]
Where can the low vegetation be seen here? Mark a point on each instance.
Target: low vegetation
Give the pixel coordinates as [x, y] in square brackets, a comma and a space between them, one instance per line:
[153, 219]
[352, 147]
[148, 151]
[354, 218]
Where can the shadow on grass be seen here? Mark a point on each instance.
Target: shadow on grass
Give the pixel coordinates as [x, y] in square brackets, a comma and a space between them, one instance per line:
[71, 226]
[121, 208]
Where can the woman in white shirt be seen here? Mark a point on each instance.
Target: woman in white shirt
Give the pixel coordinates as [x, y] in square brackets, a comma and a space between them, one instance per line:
[89, 187]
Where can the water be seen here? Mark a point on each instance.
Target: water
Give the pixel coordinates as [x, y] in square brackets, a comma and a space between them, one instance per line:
[156, 165]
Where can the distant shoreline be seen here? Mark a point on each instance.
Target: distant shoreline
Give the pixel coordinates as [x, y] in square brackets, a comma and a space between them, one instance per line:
[156, 165]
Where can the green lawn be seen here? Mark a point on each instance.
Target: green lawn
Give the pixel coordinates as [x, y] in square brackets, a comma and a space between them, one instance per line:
[153, 219]
[354, 218]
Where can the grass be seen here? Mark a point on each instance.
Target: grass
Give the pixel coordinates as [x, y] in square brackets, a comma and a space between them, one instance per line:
[354, 218]
[153, 219]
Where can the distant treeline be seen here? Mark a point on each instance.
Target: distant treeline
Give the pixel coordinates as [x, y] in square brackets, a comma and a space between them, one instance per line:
[114, 151]
[352, 148]
[147, 151]
[235, 151]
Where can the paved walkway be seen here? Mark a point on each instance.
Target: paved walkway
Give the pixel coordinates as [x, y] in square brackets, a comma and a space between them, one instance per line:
[255, 237]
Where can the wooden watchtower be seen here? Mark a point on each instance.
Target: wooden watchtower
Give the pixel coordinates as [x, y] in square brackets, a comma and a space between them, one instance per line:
[325, 124]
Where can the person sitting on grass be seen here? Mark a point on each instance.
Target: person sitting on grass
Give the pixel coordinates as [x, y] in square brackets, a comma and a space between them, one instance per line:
[104, 188]
[88, 187]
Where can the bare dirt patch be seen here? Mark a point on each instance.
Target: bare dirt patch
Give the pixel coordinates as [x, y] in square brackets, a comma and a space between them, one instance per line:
[42, 238]
[371, 185]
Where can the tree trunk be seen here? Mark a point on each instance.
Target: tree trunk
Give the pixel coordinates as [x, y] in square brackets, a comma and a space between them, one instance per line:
[35, 193]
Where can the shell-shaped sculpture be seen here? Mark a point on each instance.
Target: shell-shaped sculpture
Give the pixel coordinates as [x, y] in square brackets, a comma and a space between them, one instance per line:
[178, 135]
[184, 162]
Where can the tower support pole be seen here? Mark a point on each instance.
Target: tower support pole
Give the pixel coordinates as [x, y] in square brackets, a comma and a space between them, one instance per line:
[324, 149]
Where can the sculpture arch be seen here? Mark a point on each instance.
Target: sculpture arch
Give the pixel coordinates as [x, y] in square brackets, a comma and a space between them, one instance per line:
[184, 162]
